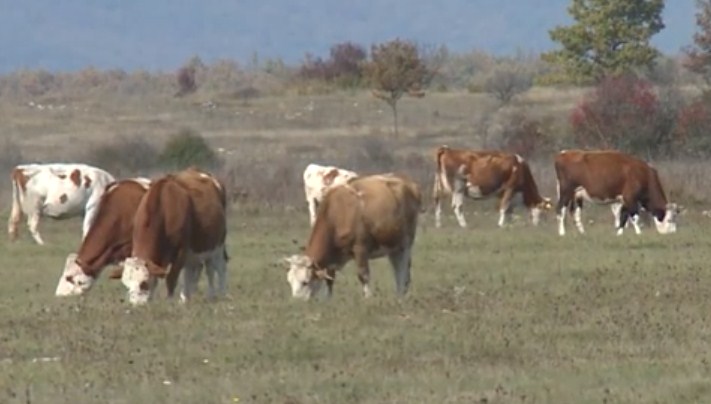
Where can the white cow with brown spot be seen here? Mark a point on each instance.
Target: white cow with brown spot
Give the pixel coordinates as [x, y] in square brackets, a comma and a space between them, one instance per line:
[318, 179]
[58, 191]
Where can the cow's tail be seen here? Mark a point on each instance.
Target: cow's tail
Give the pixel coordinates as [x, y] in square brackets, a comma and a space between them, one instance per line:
[441, 182]
[16, 210]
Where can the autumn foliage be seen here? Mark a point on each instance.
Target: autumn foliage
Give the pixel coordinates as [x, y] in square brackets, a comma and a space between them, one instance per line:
[625, 113]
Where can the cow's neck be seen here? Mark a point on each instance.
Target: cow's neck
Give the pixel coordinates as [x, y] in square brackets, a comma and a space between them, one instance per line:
[657, 203]
[92, 261]
[321, 249]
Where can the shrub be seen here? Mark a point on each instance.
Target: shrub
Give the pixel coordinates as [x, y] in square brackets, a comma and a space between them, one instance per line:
[188, 148]
[506, 82]
[624, 113]
[523, 135]
[344, 67]
[693, 128]
[126, 156]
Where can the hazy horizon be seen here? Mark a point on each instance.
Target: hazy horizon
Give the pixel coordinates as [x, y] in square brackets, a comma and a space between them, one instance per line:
[162, 34]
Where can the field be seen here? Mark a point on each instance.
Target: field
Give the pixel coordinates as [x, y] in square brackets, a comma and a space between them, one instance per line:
[515, 315]
[494, 315]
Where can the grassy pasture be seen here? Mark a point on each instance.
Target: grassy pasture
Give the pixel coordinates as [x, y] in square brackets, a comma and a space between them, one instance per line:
[516, 315]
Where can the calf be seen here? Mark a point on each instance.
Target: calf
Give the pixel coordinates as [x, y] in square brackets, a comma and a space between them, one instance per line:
[367, 218]
[319, 179]
[58, 191]
[483, 174]
[180, 222]
[611, 177]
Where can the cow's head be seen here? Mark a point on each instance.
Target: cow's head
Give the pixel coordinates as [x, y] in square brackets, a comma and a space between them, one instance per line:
[303, 276]
[139, 277]
[73, 280]
[668, 224]
[544, 205]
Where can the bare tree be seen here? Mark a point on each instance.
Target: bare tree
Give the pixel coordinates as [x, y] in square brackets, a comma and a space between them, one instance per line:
[506, 82]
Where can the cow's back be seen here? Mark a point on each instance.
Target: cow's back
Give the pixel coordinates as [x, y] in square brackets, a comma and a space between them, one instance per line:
[382, 207]
[208, 201]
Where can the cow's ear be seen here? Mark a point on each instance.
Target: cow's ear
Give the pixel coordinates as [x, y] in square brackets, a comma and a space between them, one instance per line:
[116, 273]
[323, 274]
[155, 270]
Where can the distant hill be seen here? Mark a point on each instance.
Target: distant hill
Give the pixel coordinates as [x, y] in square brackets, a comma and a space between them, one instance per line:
[162, 34]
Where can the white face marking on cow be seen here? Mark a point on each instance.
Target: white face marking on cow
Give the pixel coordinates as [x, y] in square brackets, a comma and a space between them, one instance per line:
[73, 280]
[300, 276]
[137, 280]
[668, 225]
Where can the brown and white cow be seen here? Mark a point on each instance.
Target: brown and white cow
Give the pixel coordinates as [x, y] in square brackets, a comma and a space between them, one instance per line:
[481, 174]
[611, 177]
[369, 217]
[108, 241]
[319, 179]
[58, 191]
[180, 222]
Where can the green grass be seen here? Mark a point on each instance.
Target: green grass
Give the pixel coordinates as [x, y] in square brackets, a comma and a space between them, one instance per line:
[497, 316]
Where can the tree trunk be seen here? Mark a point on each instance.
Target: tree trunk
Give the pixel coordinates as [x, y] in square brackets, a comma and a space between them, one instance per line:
[393, 105]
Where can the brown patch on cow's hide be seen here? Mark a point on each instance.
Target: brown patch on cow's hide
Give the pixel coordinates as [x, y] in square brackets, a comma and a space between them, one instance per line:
[75, 176]
[63, 198]
[330, 176]
[87, 182]
[19, 177]
[62, 176]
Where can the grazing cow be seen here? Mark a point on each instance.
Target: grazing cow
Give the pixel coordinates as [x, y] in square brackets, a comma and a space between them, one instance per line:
[611, 177]
[108, 241]
[180, 222]
[58, 191]
[369, 217]
[482, 174]
[319, 179]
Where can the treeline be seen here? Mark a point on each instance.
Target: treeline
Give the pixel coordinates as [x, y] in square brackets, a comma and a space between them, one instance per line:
[344, 69]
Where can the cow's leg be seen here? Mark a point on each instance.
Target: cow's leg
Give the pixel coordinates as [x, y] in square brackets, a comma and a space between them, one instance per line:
[457, 203]
[635, 223]
[504, 206]
[438, 210]
[216, 264]
[313, 206]
[191, 275]
[626, 212]
[401, 262]
[561, 209]
[578, 214]
[329, 288]
[361, 258]
[210, 274]
[33, 220]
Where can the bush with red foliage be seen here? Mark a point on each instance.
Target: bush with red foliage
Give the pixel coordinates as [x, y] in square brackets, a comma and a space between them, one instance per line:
[693, 128]
[624, 113]
[344, 66]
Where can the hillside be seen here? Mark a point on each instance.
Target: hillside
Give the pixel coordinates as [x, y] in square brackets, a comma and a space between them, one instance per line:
[161, 34]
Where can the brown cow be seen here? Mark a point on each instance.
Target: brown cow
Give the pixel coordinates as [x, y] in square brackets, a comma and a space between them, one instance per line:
[180, 222]
[481, 174]
[369, 217]
[108, 240]
[611, 177]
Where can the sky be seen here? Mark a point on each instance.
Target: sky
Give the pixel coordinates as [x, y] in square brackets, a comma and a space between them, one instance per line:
[163, 34]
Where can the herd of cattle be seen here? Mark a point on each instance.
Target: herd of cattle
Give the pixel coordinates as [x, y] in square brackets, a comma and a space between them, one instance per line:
[153, 229]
